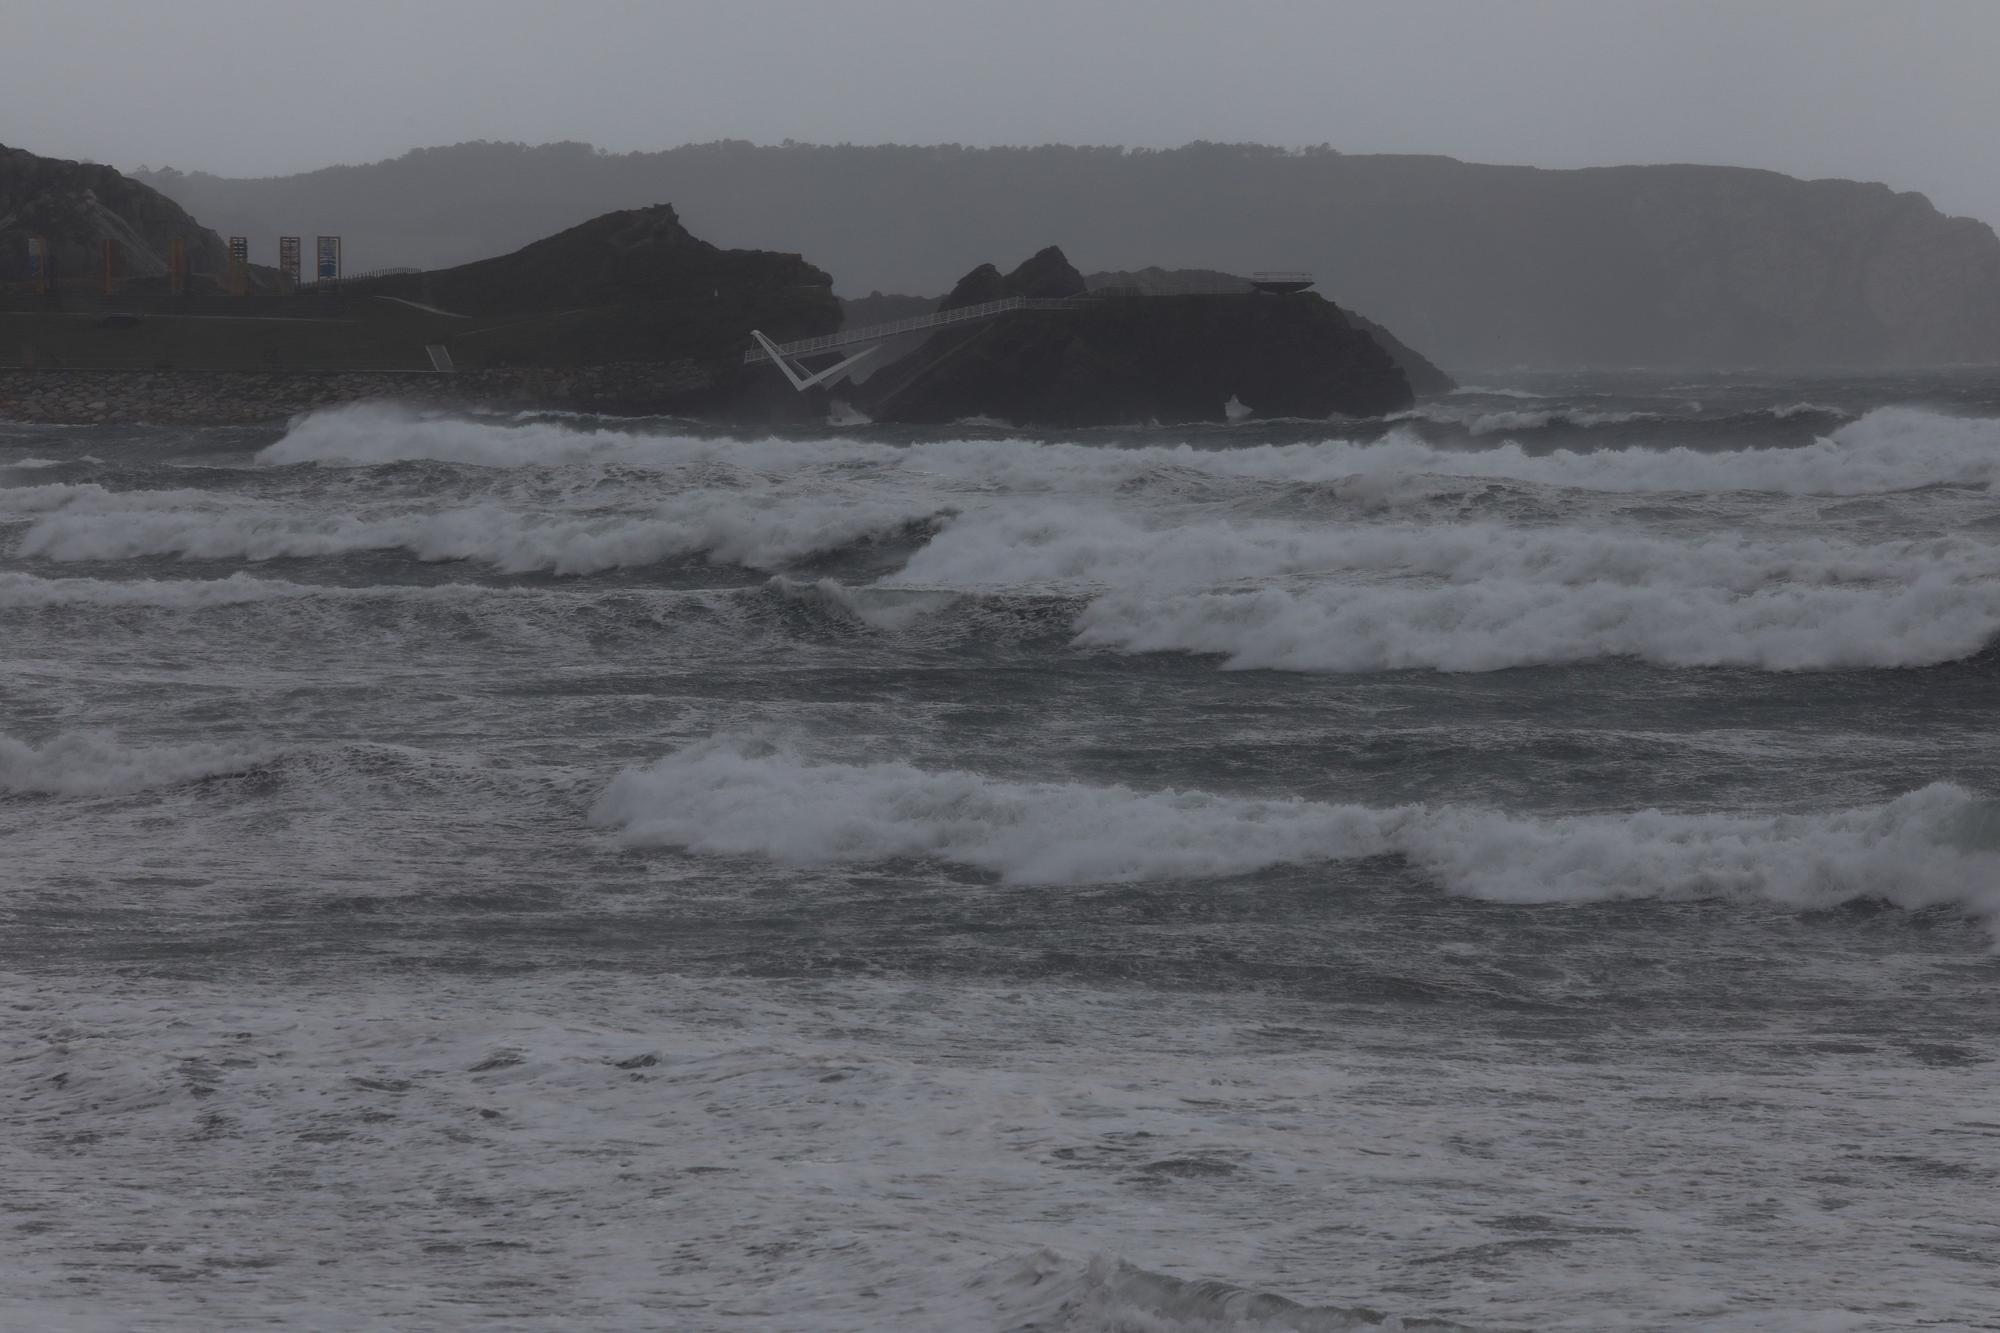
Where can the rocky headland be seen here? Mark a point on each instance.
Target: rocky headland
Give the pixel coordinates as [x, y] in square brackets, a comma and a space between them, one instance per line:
[630, 313]
[1119, 356]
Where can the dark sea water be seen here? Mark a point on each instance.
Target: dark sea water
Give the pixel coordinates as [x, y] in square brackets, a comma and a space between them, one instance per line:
[1533, 862]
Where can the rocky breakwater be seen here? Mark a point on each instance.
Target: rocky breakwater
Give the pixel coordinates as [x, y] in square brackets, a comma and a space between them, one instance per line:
[222, 397]
[1121, 357]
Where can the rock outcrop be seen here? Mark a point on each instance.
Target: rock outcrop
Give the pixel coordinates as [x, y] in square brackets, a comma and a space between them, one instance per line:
[80, 205]
[1426, 379]
[1122, 358]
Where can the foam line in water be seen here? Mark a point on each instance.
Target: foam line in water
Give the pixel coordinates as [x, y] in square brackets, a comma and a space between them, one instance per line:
[1887, 450]
[1485, 421]
[724, 527]
[31, 592]
[1938, 846]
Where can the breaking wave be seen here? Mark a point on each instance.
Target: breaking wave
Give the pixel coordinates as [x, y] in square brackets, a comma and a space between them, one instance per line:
[1498, 623]
[1888, 450]
[1938, 846]
[1891, 449]
[1478, 597]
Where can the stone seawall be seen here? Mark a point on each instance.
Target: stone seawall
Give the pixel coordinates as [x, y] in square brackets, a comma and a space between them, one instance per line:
[226, 397]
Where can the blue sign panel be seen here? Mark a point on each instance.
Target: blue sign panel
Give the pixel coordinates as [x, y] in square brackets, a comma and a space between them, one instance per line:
[328, 267]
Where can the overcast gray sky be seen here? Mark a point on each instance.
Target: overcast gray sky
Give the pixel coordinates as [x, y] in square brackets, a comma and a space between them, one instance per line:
[1904, 91]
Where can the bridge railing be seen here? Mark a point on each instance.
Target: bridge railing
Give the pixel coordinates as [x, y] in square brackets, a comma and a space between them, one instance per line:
[876, 332]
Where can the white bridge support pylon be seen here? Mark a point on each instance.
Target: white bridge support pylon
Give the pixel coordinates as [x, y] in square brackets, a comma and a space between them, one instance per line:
[804, 377]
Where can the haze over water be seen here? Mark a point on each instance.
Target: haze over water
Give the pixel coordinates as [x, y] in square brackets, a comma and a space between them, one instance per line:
[1532, 862]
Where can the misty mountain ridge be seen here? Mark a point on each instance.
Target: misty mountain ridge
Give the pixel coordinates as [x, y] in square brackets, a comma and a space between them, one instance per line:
[1478, 265]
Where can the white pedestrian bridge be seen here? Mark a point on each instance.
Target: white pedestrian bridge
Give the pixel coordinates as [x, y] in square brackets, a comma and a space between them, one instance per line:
[870, 337]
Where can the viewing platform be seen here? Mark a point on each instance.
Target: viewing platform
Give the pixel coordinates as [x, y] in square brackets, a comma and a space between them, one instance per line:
[1281, 283]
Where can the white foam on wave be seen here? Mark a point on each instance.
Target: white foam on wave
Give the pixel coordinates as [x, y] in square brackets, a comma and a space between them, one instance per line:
[1488, 391]
[759, 532]
[1938, 846]
[1486, 422]
[56, 497]
[31, 592]
[1890, 449]
[95, 763]
[367, 434]
[1893, 449]
[1087, 546]
[1476, 597]
[1497, 623]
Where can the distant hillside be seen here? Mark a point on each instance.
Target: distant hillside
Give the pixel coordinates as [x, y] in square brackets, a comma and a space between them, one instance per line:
[1478, 265]
[78, 205]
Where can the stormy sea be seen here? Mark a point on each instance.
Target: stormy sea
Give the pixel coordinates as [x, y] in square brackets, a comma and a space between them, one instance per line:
[1529, 862]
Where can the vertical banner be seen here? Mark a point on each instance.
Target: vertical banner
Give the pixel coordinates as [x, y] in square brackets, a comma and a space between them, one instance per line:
[177, 266]
[239, 265]
[288, 261]
[38, 263]
[110, 265]
[328, 267]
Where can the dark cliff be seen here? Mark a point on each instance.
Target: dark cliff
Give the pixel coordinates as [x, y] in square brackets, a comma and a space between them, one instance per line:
[1123, 358]
[80, 205]
[1426, 379]
[1477, 265]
